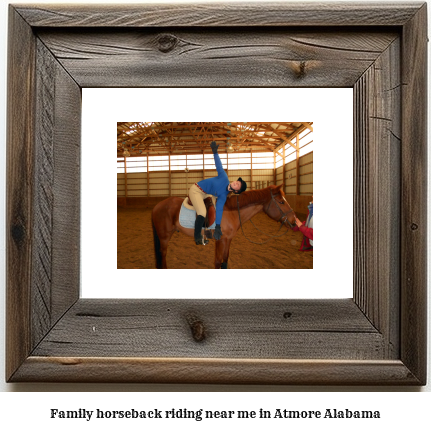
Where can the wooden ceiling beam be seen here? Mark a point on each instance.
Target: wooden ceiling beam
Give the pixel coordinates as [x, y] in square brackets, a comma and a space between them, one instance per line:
[196, 136]
[292, 136]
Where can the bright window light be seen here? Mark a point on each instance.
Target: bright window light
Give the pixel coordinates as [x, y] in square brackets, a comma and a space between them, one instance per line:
[263, 160]
[120, 165]
[290, 157]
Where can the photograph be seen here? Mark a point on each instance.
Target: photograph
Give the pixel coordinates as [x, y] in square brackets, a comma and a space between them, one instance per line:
[221, 184]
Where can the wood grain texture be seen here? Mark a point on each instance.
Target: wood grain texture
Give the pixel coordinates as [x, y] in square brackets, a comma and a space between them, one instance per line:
[19, 199]
[221, 58]
[213, 14]
[268, 329]
[44, 196]
[414, 230]
[67, 194]
[215, 371]
[377, 173]
[378, 337]
[44, 109]
[55, 278]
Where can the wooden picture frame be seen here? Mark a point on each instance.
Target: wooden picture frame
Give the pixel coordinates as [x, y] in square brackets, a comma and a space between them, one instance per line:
[376, 338]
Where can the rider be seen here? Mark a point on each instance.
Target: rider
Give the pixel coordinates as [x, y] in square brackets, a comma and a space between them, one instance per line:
[219, 187]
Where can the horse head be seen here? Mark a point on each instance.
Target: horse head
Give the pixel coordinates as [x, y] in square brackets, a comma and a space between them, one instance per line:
[278, 208]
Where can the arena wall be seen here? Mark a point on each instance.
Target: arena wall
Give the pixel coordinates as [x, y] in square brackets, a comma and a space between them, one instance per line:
[147, 188]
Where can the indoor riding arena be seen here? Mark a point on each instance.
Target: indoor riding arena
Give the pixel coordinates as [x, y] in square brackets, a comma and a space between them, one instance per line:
[159, 161]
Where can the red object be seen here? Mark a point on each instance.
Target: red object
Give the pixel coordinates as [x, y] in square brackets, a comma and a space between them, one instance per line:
[308, 234]
[200, 188]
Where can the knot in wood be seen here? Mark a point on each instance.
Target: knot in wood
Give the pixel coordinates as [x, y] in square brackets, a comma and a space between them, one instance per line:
[167, 42]
[18, 233]
[301, 69]
[197, 328]
[414, 226]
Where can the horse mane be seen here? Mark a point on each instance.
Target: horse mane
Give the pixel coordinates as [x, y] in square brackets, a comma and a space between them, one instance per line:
[247, 198]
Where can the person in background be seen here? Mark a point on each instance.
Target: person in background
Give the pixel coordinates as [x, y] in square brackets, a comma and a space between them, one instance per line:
[306, 229]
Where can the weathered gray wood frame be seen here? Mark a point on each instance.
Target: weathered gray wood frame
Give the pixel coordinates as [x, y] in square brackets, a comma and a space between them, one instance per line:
[378, 337]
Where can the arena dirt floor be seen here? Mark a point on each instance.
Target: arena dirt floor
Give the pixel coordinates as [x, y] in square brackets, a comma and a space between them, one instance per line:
[135, 249]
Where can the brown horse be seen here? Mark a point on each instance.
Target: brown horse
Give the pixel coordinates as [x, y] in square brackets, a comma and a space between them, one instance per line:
[237, 210]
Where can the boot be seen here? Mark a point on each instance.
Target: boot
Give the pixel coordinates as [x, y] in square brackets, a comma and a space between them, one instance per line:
[200, 220]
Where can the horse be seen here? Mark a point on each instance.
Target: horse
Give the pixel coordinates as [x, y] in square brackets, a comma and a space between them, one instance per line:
[237, 210]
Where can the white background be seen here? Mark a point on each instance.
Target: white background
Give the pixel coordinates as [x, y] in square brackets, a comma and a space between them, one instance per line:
[401, 409]
[332, 275]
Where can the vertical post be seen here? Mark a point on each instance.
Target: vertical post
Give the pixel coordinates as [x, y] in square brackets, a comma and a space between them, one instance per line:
[251, 168]
[148, 177]
[125, 179]
[275, 170]
[203, 164]
[187, 176]
[284, 168]
[297, 166]
[170, 178]
[227, 162]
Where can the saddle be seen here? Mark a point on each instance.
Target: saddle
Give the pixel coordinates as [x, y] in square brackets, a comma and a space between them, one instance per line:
[209, 205]
[211, 212]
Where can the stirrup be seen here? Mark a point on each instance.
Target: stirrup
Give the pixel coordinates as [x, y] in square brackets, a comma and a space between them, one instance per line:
[201, 241]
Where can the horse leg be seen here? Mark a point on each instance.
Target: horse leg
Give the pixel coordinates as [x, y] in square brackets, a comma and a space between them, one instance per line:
[161, 248]
[226, 254]
[222, 253]
[164, 251]
[157, 249]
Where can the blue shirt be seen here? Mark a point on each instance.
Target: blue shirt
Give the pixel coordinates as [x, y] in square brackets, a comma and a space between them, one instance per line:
[217, 186]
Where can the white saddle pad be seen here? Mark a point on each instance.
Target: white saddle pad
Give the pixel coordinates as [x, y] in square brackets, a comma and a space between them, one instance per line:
[188, 218]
